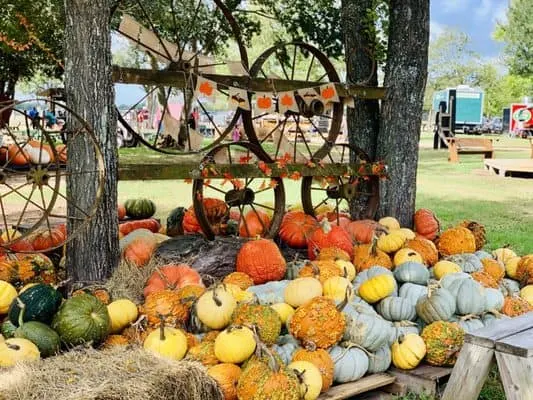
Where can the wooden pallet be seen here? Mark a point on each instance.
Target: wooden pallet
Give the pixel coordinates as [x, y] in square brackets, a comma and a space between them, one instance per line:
[524, 167]
[425, 379]
[363, 385]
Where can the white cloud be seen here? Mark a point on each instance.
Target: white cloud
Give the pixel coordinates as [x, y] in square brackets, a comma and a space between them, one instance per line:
[452, 6]
[435, 29]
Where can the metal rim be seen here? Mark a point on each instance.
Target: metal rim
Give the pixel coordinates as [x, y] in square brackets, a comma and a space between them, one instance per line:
[343, 190]
[38, 174]
[191, 72]
[337, 108]
[252, 154]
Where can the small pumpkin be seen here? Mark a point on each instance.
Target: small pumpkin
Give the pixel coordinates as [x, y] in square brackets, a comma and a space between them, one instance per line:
[167, 304]
[327, 235]
[477, 230]
[396, 309]
[470, 297]
[426, 224]
[332, 253]
[391, 242]
[456, 241]
[493, 268]
[215, 308]
[15, 350]
[437, 305]
[100, 293]
[122, 312]
[494, 299]
[255, 223]
[444, 267]
[468, 262]
[526, 293]
[204, 352]
[350, 363]
[485, 279]
[515, 306]
[262, 260]
[235, 344]
[443, 342]
[366, 330]
[321, 359]
[166, 342]
[363, 231]
[347, 269]
[368, 255]
[524, 270]
[408, 351]
[284, 310]
[390, 223]
[310, 379]
[412, 292]
[377, 288]
[270, 292]
[503, 254]
[48, 239]
[407, 233]
[413, 272]
[264, 318]
[426, 248]
[240, 279]
[405, 255]
[380, 360]
[511, 267]
[296, 227]
[302, 290]
[171, 277]
[139, 208]
[338, 288]
[140, 250]
[321, 270]
[227, 376]
[7, 294]
[41, 303]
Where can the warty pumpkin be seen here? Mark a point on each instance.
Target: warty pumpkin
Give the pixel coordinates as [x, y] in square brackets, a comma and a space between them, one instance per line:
[333, 253]
[327, 235]
[368, 255]
[235, 344]
[443, 342]
[456, 241]
[493, 268]
[296, 227]
[309, 377]
[227, 376]
[408, 351]
[477, 230]
[515, 306]
[171, 277]
[485, 279]
[215, 308]
[322, 360]
[321, 270]
[426, 248]
[204, 353]
[426, 224]
[524, 270]
[167, 304]
[318, 323]
[240, 279]
[405, 255]
[261, 260]
[188, 294]
[264, 318]
[115, 340]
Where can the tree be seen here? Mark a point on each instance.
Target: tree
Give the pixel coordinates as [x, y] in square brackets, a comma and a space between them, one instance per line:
[30, 41]
[518, 37]
[93, 254]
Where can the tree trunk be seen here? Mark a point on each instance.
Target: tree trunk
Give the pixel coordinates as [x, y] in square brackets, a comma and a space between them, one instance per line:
[401, 113]
[94, 253]
[359, 44]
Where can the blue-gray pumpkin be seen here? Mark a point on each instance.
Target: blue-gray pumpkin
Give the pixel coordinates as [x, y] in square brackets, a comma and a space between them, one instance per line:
[412, 272]
[470, 324]
[493, 299]
[355, 308]
[402, 328]
[509, 287]
[437, 305]
[469, 296]
[448, 279]
[368, 331]
[380, 360]
[270, 292]
[285, 346]
[412, 292]
[396, 309]
[490, 319]
[467, 261]
[482, 254]
[351, 364]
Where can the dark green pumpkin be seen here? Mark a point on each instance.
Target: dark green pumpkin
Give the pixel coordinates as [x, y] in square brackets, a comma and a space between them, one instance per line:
[8, 329]
[82, 319]
[44, 337]
[41, 303]
[139, 208]
[175, 221]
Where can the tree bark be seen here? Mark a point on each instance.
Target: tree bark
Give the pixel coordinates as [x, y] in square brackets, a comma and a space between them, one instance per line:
[94, 253]
[359, 44]
[401, 113]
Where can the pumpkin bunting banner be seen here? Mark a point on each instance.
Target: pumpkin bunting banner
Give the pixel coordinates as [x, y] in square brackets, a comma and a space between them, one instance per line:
[204, 88]
[328, 93]
[287, 102]
[264, 103]
[238, 98]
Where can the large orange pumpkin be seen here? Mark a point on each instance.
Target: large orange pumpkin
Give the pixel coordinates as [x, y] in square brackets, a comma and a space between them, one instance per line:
[17, 155]
[426, 223]
[140, 250]
[326, 235]
[240, 279]
[362, 231]
[171, 277]
[227, 377]
[166, 304]
[426, 248]
[322, 360]
[48, 239]
[296, 227]
[121, 211]
[255, 223]
[262, 261]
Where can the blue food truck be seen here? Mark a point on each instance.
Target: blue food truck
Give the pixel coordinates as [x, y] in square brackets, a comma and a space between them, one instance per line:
[465, 104]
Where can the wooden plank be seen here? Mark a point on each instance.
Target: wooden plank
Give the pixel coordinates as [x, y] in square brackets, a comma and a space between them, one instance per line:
[488, 336]
[517, 376]
[366, 384]
[376, 395]
[520, 345]
[178, 79]
[428, 372]
[414, 383]
[511, 165]
[469, 373]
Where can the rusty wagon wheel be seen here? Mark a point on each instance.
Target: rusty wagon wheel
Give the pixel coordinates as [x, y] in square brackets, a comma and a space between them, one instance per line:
[306, 134]
[33, 172]
[169, 42]
[244, 197]
[341, 193]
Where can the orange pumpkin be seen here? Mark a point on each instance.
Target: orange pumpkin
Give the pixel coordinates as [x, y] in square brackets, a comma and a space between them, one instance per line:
[296, 227]
[368, 255]
[426, 224]
[22, 246]
[17, 155]
[121, 212]
[240, 279]
[140, 251]
[426, 248]
[337, 219]
[115, 340]
[515, 306]
[171, 277]
[61, 150]
[48, 240]
[227, 377]
[333, 253]
[322, 270]
[485, 279]
[166, 304]
[493, 268]
[362, 231]
[327, 235]
[322, 360]
[262, 261]
[524, 270]
[255, 223]
[25, 268]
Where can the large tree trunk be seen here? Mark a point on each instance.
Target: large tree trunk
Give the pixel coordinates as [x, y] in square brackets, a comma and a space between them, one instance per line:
[359, 44]
[94, 253]
[401, 113]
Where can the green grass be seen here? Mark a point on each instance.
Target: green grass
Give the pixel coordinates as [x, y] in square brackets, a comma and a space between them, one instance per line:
[454, 191]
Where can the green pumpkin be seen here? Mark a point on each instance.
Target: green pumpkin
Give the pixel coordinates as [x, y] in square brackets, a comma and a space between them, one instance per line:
[45, 338]
[412, 272]
[265, 318]
[437, 305]
[82, 319]
[7, 329]
[396, 309]
[175, 221]
[139, 208]
[469, 296]
[41, 302]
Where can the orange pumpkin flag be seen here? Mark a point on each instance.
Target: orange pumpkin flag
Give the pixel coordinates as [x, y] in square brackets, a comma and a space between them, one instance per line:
[287, 102]
[204, 88]
[264, 103]
[328, 93]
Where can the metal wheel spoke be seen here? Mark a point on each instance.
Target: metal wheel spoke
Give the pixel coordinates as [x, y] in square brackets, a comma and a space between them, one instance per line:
[263, 206]
[322, 202]
[249, 181]
[26, 198]
[282, 67]
[262, 190]
[140, 101]
[319, 188]
[322, 77]
[259, 116]
[309, 69]
[280, 138]
[154, 30]
[241, 210]
[177, 36]
[209, 117]
[214, 188]
[25, 207]
[66, 217]
[4, 218]
[294, 62]
[69, 201]
[14, 190]
[272, 131]
[259, 218]
[45, 214]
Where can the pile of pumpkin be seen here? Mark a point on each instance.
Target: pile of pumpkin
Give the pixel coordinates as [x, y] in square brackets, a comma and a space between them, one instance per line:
[33, 152]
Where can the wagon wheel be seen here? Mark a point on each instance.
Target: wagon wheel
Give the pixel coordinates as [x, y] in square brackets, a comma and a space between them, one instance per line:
[170, 41]
[339, 194]
[296, 136]
[33, 172]
[246, 196]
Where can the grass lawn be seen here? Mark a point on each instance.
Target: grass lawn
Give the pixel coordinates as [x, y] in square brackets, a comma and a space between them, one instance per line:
[454, 191]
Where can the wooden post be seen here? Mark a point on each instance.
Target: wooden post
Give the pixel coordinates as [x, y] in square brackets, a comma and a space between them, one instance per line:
[453, 154]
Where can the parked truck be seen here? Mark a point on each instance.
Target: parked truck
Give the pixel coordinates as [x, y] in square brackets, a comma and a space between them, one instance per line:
[464, 104]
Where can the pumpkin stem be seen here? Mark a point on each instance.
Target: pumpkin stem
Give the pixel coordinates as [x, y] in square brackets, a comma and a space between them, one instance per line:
[404, 323]
[161, 327]
[216, 299]
[12, 346]
[347, 295]
[22, 307]
[469, 317]
[374, 246]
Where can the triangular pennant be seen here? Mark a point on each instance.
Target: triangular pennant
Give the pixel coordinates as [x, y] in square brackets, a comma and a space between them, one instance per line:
[287, 102]
[205, 88]
[328, 92]
[308, 95]
[264, 103]
[238, 98]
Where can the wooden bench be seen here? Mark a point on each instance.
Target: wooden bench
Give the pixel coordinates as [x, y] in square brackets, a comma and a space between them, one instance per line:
[458, 146]
[510, 342]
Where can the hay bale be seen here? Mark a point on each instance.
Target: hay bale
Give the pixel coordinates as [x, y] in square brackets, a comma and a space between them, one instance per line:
[128, 280]
[116, 374]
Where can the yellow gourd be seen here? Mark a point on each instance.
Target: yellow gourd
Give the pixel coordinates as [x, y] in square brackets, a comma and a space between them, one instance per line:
[215, 307]
[391, 242]
[347, 269]
[7, 294]
[504, 254]
[167, 342]
[390, 223]
[377, 288]
[15, 350]
[284, 311]
[406, 255]
[238, 294]
[235, 344]
[310, 379]
[337, 288]
[408, 351]
[511, 265]
[527, 294]
[444, 267]
[408, 233]
[301, 290]
[122, 313]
